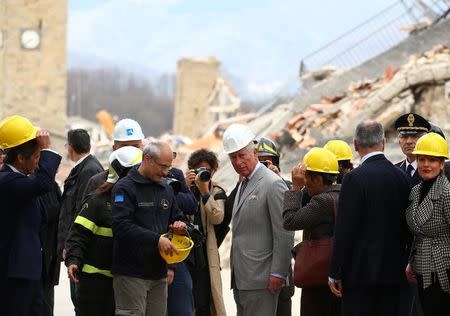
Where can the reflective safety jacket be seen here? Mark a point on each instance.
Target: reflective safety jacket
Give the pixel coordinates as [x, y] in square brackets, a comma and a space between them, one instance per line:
[90, 243]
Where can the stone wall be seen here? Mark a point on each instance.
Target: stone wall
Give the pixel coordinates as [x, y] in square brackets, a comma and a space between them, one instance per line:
[195, 82]
[33, 81]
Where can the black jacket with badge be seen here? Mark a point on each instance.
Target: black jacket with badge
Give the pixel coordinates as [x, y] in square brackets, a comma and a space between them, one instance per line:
[142, 211]
[90, 242]
[74, 187]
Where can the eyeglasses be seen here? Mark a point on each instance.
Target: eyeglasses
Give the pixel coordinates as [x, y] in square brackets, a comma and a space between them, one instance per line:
[161, 165]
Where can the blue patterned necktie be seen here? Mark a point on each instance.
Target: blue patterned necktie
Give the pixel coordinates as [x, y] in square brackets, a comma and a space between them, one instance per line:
[409, 170]
[243, 186]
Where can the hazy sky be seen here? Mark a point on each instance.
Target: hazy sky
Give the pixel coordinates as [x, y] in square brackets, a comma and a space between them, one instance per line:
[259, 41]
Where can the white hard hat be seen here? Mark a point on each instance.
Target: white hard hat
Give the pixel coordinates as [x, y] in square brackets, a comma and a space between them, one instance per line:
[127, 129]
[121, 160]
[236, 137]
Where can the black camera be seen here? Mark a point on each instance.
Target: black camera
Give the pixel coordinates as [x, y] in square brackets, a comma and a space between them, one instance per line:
[203, 174]
[174, 183]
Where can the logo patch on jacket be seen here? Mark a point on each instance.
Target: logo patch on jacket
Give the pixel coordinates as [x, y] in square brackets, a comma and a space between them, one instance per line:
[165, 204]
[146, 204]
[119, 198]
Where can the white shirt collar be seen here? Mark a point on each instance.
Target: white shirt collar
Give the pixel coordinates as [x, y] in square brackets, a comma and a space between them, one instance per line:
[374, 153]
[80, 160]
[13, 168]
[413, 164]
[258, 165]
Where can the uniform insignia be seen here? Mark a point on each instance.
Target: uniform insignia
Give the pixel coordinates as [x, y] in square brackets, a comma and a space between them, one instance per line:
[130, 132]
[253, 198]
[119, 198]
[165, 204]
[411, 120]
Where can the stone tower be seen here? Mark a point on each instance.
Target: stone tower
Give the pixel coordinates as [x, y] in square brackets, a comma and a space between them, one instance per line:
[33, 76]
[196, 79]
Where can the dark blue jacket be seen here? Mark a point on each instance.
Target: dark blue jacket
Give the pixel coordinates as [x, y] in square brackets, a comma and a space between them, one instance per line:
[23, 218]
[371, 235]
[185, 198]
[142, 211]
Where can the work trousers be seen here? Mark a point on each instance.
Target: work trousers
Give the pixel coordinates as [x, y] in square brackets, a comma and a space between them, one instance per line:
[20, 297]
[139, 297]
[256, 302]
[435, 302]
[95, 295]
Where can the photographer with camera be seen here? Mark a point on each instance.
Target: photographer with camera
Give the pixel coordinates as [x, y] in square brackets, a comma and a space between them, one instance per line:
[204, 263]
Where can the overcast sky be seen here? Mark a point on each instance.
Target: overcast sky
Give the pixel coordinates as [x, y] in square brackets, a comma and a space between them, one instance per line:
[259, 41]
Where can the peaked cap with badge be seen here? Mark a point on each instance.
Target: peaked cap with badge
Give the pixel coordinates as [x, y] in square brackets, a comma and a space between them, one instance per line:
[411, 123]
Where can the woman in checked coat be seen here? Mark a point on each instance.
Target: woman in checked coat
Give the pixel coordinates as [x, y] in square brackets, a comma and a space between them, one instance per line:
[428, 218]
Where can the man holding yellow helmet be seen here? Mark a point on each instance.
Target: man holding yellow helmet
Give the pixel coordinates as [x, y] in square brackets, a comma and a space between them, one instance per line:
[27, 153]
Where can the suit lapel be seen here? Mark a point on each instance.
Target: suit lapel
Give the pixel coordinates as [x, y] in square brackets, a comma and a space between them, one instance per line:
[251, 186]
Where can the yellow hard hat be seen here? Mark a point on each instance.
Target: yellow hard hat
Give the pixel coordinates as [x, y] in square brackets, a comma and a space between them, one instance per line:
[183, 244]
[16, 130]
[321, 160]
[431, 144]
[340, 148]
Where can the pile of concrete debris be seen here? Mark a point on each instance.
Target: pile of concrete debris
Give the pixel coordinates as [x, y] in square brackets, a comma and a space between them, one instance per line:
[421, 85]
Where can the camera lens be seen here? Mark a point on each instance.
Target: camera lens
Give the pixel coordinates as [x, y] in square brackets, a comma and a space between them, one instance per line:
[203, 174]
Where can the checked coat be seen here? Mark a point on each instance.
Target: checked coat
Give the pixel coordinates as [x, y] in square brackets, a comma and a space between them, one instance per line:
[429, 221]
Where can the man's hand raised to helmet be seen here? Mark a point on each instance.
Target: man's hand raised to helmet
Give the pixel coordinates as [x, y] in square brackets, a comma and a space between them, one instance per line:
[43, 139]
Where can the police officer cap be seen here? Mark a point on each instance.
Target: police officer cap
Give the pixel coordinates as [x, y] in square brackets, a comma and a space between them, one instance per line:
[411, 123]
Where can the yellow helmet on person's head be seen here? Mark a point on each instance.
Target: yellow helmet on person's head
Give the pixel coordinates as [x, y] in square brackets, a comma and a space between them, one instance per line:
[431, 144]
[340, 148]
[16, 130]
[321, 160]
[183, 244]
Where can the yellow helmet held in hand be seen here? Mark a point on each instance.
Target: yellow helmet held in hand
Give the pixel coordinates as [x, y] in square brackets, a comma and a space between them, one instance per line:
[340, 148]
[16, 130]
[431, 144]
[321, 160]
[183, 244]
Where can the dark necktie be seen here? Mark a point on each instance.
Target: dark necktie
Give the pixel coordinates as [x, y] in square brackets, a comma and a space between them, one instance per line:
[243, 186]
[409, 170]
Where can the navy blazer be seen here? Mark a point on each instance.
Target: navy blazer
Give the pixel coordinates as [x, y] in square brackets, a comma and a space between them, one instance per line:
[22, 218]
[371, 235]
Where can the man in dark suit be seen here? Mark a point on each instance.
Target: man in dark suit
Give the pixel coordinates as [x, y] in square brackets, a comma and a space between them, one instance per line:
[50, 204]
[370, 239]
[410, 128]
[86, 165]
[21, 264]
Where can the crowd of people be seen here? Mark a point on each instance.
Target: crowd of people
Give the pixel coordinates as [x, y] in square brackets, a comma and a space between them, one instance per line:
[389, 224]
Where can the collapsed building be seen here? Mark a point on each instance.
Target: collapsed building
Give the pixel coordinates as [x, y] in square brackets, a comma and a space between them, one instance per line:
[412, 75]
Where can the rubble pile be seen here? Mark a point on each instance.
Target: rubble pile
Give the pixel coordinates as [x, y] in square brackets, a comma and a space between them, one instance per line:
[421, 85]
